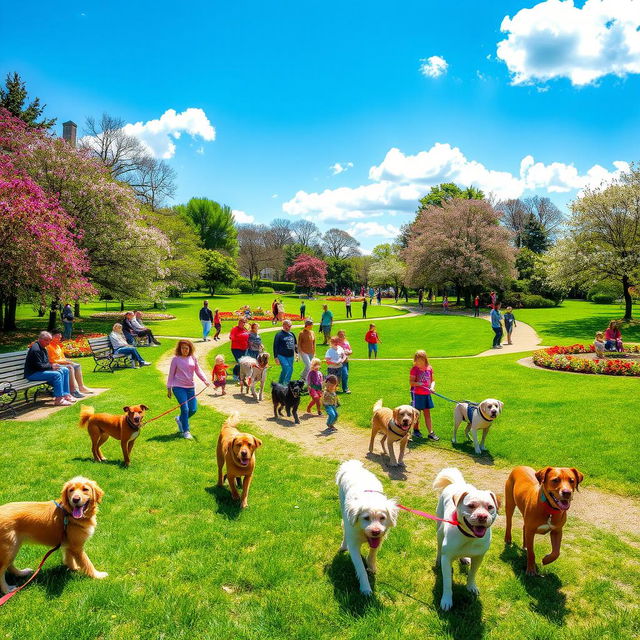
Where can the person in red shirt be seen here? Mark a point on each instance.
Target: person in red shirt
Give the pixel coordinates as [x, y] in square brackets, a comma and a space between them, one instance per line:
[239, 337]
[217, 323]
[476, 307]
[422, 385]
[219, 373]
[372, 340]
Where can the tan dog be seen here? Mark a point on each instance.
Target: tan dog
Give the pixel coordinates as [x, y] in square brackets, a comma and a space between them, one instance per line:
[44, 523]
[394, 424]
[253, 371]
[543, 498]
[125, 428]
[236, 450]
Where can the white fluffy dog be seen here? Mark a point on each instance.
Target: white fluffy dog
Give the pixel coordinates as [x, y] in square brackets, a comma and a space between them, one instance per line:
[478, 417]
[367, 515]
[474, 511]
[252, 371]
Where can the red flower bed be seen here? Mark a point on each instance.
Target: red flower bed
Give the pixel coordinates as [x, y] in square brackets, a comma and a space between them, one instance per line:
[353, 298]
[267, 315]
[562, 359]
[78, 347]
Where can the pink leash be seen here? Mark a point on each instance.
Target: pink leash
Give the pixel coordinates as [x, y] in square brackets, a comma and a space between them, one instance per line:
[422, 514]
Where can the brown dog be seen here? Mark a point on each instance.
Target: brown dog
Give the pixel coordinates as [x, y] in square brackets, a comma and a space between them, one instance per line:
[543, 498]
[394, 424]
[70, 523]
[236, 450]
[125, 428]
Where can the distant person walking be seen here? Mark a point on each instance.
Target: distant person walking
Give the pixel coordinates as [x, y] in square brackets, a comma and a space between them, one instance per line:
[217, 323]
[364, 307]
[371, 294]
[496, 325]
[206, 320]
[379, 296]
[306, 348]
[509, 323]
[274, 311]
[67, 321]
[285, 350]
[303, 310]
[421, 298]
[347, 302]
[494, 299]
[445, 304]
[326, 321]
[476, 307]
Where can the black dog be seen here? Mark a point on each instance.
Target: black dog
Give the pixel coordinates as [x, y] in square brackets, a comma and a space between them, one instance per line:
[287, 397]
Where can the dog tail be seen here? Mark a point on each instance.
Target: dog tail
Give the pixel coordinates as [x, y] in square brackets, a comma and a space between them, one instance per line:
[232, 420]
[447, 477]
[85, 413]
[345, 467]
[377, 406]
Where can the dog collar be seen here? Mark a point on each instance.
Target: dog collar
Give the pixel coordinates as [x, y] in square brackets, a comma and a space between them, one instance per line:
[65, 520]
[133, 426]
[454, 520]
[483, 416]
[393, 423]
[547, 502]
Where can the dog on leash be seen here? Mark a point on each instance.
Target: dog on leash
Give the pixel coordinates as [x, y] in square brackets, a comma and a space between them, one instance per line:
[477, 417]
[395, 425]
[125, 428]
[473, 512]
[287, 397]
[543, 498]
[367, 516]
[70, 522]
[236, 452]
[252, 371]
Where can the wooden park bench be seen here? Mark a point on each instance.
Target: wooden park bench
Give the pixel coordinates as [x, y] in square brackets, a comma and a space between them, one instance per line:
[12, 382]
[104, 357]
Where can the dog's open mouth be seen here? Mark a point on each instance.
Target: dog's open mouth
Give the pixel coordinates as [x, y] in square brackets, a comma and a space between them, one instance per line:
[243, 462]
[561, 504]
[78, 512]
[477, 529]
[374, 543]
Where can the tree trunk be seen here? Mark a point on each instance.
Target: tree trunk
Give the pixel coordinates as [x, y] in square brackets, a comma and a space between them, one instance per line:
[458, 297]
[42, 309]
[1, 313]
[9, 323]
[627, 299]
[121, 305]
[53, 314]
[76, 309]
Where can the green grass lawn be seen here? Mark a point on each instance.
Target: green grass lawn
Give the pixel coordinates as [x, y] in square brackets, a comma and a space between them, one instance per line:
[183, 562]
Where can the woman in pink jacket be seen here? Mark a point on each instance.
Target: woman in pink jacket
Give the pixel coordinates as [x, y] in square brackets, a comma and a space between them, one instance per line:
[180, 382]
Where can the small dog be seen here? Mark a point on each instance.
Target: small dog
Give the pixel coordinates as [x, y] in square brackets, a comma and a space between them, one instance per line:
[253, 370]
[237, 451]
[367, 515]
[287, 397]
[395, 425]
[476, 417]
[69, 523]
[543, 498]
[474, 511]
[125, 428]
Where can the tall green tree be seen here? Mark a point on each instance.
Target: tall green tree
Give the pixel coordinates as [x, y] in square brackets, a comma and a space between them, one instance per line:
[214, 223]
[13, 98]
[534, 236]
[219, 270]
[447, 191]
[341, 273]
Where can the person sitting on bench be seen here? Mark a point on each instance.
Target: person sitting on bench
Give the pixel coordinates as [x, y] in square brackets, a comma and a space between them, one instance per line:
[141, 330]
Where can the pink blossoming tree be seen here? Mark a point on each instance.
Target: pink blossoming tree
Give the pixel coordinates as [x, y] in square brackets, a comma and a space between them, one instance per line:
[308, 271]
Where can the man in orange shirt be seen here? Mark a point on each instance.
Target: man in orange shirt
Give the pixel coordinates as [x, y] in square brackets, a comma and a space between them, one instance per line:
[56, 356]
[306, 348]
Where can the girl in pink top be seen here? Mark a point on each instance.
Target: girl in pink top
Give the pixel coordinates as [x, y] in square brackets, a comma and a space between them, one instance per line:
[346, 347]
[180, 382]
[422, 384]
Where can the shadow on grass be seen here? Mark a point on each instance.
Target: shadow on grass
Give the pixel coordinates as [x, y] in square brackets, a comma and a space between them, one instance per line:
[550, 602]
[464, 620]
[485, 458]
[283, 421]
[52, 579]
[115, 463]
[166, 437]
[346, 588]
[394, 473]
[227, 506]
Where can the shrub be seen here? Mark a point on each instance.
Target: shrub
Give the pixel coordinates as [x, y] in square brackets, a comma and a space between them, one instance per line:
[532, 301]
[602, 298]
[227, 291]
[266, 290]
[288, 287]
[606, 287]
[244, 285]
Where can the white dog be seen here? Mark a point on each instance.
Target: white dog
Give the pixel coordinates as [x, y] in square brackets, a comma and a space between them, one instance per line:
[367, 515]
[474, 511]
[253, 370]
[476, 417]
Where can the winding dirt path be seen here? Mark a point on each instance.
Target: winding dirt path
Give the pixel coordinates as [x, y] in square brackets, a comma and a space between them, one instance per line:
[607, 511]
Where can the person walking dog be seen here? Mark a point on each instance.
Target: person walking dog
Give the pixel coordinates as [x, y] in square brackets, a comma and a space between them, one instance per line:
[206, 319]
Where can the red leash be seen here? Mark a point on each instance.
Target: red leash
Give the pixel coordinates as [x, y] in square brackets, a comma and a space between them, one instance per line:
[10, 595]
[422, 514]
[174, 408]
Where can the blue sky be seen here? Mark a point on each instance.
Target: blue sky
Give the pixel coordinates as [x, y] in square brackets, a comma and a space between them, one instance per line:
[292, 88]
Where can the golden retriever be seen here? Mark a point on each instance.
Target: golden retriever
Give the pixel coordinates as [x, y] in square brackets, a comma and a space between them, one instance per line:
[70, 523]
[236, 450]
[394, 424]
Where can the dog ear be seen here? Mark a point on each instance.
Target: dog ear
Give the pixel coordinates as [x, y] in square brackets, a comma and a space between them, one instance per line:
[256, 442]
[392, 511]
[459, 497]
[353, 512]
[578, 475]
[541, 475]
[64, 499]
[501, 405]
[416, 418]
[97, 492]
[496, 500]
[394, 414]
[125, 409]
[144, 407]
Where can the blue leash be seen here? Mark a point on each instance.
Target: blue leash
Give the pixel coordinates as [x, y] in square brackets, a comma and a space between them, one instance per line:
[475, 404]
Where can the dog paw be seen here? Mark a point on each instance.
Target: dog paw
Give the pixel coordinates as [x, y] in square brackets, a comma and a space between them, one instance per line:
[465, 561]
[7, 589]
[100, 575]
[21, 573]
[446, 602]
[472, 588]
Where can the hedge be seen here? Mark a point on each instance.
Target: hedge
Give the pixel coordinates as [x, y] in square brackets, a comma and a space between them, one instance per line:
[289, 287]
[602, 298]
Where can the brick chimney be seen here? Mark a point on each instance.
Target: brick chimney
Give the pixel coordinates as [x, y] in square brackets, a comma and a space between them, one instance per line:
[69, 132]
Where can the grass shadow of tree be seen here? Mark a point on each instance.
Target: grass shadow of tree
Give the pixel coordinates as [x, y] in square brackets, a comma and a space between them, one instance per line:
[346, 588]
[550, 602]
[226, 505]
[115, 463]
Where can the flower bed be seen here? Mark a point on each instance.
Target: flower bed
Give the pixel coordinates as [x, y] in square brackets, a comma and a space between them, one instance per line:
[78, 347]
[563, 359]
[118, 315]
[353, 298]
[257, 317]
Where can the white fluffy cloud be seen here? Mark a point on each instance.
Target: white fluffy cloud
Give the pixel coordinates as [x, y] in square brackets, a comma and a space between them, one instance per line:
[157, 135]
[433, 67]
[400, 180]
[557, 39]
[373, 229]
[340, 168]
[241, 217]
